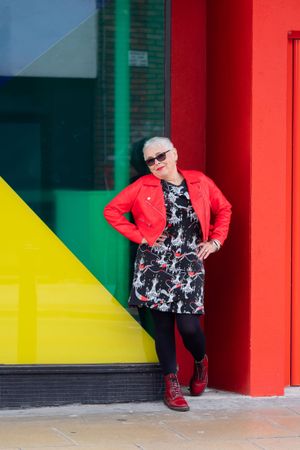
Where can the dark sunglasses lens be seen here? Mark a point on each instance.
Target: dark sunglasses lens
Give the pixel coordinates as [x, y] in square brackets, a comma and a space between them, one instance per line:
[161, 157]
[150, 162]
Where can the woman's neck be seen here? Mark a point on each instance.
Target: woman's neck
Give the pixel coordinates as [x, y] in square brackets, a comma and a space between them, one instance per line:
[174, 178]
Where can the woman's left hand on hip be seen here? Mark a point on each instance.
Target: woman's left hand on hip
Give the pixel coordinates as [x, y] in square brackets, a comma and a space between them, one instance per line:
[205, 249]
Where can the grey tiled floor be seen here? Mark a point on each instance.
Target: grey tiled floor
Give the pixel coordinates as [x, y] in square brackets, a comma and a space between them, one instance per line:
[217, 421]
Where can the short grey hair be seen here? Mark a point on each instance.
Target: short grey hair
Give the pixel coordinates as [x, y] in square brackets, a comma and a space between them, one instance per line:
[163, 141]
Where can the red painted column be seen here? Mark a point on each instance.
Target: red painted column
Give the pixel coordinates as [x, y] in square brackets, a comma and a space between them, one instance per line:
[248, 300]
[249, 285]
[270, 295]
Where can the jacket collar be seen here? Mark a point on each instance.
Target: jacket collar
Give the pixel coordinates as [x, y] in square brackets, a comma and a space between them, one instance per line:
[191, 176]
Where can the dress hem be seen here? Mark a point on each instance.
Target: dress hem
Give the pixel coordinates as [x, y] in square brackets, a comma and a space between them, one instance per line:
[200, 313]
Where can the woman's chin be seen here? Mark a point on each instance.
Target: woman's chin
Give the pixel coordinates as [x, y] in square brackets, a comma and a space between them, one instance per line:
[160, 173]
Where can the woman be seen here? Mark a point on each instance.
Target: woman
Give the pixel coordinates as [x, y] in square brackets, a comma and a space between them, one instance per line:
[171, 210]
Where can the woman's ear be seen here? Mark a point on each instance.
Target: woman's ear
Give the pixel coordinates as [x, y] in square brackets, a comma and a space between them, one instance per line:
[175, 153]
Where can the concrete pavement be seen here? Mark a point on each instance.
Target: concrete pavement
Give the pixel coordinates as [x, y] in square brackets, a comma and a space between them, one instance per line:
[217, 421]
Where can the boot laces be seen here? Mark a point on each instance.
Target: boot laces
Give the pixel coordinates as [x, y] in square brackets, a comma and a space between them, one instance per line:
[175, 387]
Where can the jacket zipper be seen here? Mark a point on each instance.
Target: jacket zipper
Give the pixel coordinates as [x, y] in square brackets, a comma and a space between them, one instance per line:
[154, 207]
[204, 231]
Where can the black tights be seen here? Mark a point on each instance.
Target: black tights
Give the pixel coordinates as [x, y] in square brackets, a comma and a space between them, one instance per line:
[190, 330]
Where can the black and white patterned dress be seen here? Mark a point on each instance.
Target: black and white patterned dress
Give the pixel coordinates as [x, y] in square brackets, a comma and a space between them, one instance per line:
[170, 277]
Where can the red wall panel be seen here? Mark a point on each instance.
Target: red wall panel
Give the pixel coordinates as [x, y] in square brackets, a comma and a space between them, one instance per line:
[188, 93]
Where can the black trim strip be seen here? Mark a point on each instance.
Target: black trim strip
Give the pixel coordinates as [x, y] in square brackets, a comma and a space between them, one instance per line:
[26, 386]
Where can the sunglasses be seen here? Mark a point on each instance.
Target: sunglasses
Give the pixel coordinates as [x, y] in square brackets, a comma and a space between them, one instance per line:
[160, 157]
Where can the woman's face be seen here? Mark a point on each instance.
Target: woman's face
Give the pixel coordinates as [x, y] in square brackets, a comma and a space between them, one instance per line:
[162, 169]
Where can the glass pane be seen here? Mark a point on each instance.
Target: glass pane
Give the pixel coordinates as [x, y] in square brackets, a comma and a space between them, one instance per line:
[81, 88]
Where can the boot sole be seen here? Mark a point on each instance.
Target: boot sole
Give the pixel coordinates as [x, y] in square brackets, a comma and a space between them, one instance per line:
[180, 409]
[194, 394]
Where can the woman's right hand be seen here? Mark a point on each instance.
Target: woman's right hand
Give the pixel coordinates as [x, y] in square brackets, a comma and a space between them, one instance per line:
[160, 240]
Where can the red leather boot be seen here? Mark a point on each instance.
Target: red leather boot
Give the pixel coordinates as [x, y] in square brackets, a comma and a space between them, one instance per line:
[200, 377]
[173, 397]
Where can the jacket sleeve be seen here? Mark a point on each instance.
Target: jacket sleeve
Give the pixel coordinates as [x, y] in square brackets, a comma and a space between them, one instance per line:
[221, 209]
[114, 212]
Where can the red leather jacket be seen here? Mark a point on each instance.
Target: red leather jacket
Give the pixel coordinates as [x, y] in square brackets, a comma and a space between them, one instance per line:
[145, 200]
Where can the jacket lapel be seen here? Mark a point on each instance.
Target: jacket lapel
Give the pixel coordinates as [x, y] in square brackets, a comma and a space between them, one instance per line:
[155, 199]
[155, 196]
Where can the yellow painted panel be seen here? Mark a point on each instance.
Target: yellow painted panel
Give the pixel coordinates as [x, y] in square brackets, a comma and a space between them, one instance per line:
[52, 309]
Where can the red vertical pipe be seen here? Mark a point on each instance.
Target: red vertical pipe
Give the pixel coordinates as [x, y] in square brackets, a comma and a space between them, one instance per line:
[288, 244]
[288, 226]
[295, 335]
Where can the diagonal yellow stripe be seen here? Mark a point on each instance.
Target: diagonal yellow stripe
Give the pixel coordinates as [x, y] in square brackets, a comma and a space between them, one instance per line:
[52, 309]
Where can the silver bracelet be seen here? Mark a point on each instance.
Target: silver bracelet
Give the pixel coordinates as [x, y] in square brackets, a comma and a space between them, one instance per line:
[217, 243]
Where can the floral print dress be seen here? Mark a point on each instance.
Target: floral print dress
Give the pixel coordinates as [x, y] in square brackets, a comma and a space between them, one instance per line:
[170, 277]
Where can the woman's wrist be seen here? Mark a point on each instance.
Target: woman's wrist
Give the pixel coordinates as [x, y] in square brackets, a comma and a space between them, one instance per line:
[216, 243]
